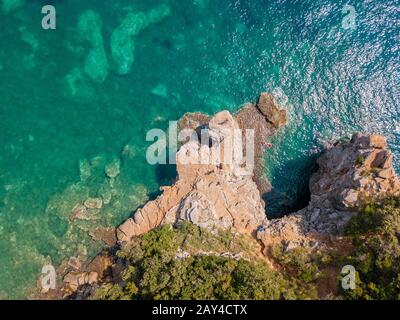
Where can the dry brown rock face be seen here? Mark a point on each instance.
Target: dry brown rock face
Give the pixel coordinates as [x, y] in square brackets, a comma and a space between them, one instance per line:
[216, 194]
[352, 171]
[76, 279]
[219, 194]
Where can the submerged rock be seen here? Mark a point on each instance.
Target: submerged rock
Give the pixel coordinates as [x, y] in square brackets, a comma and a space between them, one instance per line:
[160, 91]
[93, 203]
[79, 212]
[107, 235]
[112, 169]
[90, 32]
[78, 87]
[84, 169]
[123, 37]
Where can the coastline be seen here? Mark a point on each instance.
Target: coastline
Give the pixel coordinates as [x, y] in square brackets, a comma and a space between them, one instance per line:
[338, 190]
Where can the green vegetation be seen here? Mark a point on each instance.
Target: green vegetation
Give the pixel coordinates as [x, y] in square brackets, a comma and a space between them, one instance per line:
[372, 172]
[305, 265]
[186, 262]
[359, 161]
[155, 269]
[376, 256]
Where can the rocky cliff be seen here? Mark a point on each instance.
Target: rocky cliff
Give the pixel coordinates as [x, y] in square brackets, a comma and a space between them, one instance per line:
[218, 193]
[227, 195]
[350, 173]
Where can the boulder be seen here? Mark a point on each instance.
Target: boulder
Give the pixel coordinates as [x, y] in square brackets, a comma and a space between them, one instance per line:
[74, 280]
[268, 107]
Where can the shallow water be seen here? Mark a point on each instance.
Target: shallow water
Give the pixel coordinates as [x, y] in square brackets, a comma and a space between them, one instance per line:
[205, 56]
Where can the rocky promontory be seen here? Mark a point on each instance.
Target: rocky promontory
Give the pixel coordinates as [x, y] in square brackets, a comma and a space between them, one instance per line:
[220, 195]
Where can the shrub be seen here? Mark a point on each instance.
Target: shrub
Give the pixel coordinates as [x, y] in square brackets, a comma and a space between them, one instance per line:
[155, 271]
[376, 256]
[359, 161]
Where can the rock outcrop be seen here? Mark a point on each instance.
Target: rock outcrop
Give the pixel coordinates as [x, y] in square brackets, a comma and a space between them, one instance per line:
[349, 173]
[219, 186]
[272, 112]
[220, 180]
[227, 195]
[210, 192]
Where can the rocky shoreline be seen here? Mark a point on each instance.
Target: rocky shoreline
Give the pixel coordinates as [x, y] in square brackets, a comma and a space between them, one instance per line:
[228, 196]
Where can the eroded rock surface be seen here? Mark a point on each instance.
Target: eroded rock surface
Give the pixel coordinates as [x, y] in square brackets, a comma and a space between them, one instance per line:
[349, 173]
[210, 194]
[269, 108]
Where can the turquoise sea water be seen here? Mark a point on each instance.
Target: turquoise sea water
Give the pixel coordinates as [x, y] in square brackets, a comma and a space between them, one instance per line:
[64, 115]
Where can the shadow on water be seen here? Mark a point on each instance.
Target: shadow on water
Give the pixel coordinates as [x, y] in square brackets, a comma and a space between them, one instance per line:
[166, 175]
[288, 195]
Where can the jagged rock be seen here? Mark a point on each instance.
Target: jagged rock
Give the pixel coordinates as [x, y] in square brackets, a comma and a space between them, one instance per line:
[364, 141]
[74, 280]
[224, 195]
[249, 117]
[74, 263]
[349, 173]
[193, 120]
[268, 107]
[100, 264]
